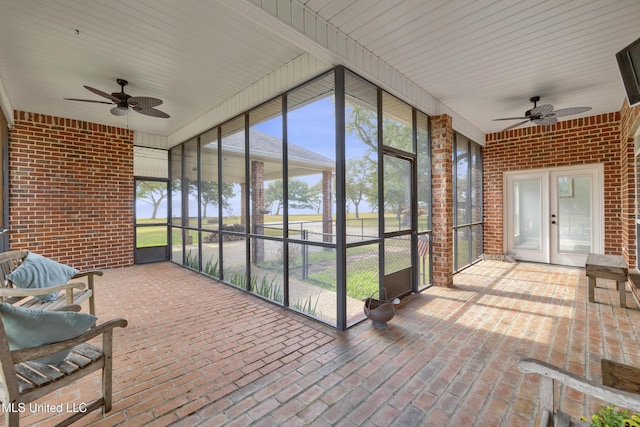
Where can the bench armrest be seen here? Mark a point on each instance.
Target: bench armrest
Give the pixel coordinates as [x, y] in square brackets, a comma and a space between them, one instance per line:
[28, 292]
[619, 398]
[88, 273]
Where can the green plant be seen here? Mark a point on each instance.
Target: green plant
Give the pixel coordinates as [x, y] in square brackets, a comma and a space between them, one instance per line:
[211, 268]
[238, 279]
[191, 260]
[268, 288]
[610, 416]
[306, 305]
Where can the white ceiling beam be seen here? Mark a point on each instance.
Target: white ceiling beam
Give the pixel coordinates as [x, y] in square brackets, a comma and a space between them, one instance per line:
[298, 24]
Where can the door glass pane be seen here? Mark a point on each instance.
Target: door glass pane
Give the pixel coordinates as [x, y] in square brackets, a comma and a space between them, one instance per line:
[397, 194]
[574, 214]
[527, 214]
[151, 213]
[152, 236]
[397, 253]
[151, 202]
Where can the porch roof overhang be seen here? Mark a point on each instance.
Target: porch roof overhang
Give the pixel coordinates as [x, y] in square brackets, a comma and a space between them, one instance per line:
[264, 148]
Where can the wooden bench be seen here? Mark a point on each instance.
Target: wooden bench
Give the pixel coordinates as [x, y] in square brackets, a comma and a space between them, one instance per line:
[70, 293]
[23, 381]
[549, 374]
[600, 266]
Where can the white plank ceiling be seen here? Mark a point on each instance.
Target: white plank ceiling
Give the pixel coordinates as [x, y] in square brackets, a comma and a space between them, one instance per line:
[482, 59]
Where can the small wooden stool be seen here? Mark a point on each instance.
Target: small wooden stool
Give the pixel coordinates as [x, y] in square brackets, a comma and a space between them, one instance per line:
[607, 267]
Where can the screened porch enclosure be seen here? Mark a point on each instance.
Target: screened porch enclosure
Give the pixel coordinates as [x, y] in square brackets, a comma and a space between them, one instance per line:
[314, 200]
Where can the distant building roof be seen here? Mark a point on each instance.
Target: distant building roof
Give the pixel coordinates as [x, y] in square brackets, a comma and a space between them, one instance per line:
[267, 147]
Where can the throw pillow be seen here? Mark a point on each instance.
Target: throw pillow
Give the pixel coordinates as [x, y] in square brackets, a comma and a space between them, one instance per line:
[26, 328]
[37, 271]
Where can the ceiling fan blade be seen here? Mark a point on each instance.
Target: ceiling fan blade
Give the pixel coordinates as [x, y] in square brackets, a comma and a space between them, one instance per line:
[514, 126]
[88, 100]
[547, 120]
[152, 112]
[144, 102]
[511, 118]
[570, 111]
[541, 110]
[103, 94]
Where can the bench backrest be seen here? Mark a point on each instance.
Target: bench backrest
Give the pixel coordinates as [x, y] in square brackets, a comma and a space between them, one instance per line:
[9, 261]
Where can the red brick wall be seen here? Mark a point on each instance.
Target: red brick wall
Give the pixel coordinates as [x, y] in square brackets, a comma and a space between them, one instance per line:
[71, 191]
[587, 140]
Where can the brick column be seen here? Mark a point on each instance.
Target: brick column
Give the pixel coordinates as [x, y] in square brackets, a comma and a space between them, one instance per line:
[442, 195]
[243, 205]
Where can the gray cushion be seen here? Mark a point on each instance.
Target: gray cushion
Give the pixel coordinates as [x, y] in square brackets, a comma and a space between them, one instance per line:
[26, 328]
[37, 271]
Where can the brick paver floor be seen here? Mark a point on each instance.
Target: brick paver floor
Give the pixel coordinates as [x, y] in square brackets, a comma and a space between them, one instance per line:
[197, 352]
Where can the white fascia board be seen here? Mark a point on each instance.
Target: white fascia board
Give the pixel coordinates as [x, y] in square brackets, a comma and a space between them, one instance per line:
[5, 105]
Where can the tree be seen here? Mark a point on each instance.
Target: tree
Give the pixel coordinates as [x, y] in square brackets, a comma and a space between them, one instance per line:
[209, 194]
[358, 181]
[315, 196]
[300, 195]
[274, 194]
[153, 193]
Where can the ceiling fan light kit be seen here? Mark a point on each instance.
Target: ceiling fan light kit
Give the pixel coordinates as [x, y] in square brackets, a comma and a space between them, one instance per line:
[543, 115]
[119, 111]
[124, 102]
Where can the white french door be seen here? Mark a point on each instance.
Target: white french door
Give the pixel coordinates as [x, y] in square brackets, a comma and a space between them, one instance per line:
[554, 215]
